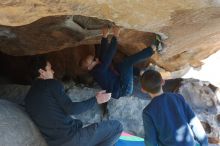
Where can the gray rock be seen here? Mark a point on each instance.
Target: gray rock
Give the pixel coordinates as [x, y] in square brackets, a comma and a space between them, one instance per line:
[16, 128]
[13, 92]
[77, 94]
[199, 95]
[206, 104]
[128, 110]
[5, 32]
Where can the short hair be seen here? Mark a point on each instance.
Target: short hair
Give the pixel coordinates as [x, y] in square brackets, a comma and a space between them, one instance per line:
[151, 81]
[37, 62]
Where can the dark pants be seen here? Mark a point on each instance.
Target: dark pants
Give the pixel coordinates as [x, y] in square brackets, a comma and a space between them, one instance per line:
[126, 69]
[104, 133]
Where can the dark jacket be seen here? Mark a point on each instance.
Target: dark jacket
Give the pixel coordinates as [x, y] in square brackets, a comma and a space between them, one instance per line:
[50, 109]
[106, 77]
[169, 121]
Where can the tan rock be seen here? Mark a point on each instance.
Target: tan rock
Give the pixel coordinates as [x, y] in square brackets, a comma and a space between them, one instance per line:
[191, 26]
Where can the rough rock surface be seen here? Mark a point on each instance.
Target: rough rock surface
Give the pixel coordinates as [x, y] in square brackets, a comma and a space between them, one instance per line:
[16, 128]
[38, 26]
[146, 14]
[55, 33]
[205, 101]
[128, 110]
[14, 93]
[75, 93]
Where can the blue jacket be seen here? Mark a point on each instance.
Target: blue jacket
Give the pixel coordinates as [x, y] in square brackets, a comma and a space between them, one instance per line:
[169, 121]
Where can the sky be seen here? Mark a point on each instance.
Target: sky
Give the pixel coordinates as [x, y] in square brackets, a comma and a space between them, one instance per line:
[210, 70]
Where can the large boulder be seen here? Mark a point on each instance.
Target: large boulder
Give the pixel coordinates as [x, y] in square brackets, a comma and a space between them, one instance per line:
[204, 99]
[16, 128]
[14, 92]
[128, 110]
[190, 27]
[81, 93]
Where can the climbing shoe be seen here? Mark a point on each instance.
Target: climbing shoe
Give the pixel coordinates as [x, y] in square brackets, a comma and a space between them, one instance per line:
[160, 47]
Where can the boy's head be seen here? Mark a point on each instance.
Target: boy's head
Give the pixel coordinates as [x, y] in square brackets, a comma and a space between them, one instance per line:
[41, 68]
[87, 63]
[151, 82]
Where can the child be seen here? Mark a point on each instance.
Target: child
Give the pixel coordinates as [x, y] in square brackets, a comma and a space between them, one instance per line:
[168, 119]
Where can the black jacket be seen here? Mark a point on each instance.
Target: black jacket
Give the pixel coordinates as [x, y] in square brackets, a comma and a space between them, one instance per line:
[50, 108]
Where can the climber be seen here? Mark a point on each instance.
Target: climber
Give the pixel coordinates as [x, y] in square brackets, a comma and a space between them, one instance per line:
[168, 120]
[50, 109]
[117, 80]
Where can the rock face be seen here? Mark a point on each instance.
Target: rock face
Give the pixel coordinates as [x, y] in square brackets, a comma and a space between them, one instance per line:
[55, 33]
[128, 110]
[205, 101]
[17, 129]
[14, 93]
[200, 95]
[146, 14]
[38, 26]
[75, 93]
